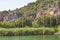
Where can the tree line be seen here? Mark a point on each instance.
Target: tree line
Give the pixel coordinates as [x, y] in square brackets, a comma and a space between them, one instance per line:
[47, 20]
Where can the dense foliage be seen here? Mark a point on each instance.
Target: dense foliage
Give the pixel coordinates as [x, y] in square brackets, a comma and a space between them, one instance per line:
[29, 13]
[24, 31]
[28, 24]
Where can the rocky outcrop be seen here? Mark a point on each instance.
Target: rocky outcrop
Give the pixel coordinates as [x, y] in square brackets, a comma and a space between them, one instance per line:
[54, 10]
[41, 13]
[3, 14]
[14, 15]
[7, 16]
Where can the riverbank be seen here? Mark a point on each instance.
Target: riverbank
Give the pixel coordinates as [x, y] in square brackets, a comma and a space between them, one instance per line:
[26, 31]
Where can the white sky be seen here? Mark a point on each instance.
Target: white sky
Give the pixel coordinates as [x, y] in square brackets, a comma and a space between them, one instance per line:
[13, 4]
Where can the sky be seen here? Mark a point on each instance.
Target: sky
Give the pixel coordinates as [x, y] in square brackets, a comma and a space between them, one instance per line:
[13, 4]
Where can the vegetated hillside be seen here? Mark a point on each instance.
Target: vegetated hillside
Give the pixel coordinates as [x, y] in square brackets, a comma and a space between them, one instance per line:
[32, 9]
[35, 7]
[30, 14]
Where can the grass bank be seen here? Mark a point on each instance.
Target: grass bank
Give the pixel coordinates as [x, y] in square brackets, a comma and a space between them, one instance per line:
[26, 31]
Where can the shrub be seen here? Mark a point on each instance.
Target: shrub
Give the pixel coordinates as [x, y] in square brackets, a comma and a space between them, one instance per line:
[24, 31]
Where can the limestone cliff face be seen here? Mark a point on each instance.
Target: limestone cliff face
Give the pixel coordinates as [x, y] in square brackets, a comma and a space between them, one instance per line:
[14, 15]
[7, 16]
[2, 15]
[54, 10]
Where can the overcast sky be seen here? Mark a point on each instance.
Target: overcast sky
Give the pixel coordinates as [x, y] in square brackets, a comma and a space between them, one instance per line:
[13, 4]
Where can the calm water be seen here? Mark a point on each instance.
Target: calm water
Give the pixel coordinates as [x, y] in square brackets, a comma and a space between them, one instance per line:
[45, 37]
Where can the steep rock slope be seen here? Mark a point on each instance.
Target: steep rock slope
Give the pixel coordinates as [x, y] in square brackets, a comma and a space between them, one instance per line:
[8, 16]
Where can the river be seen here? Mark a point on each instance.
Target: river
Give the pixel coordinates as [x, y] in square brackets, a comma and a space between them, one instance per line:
[40, 37]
